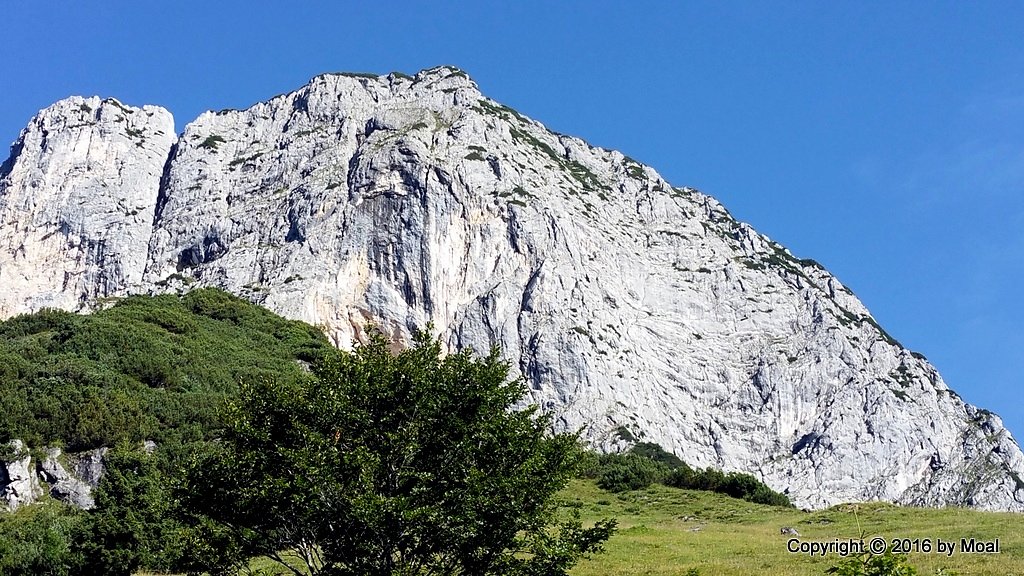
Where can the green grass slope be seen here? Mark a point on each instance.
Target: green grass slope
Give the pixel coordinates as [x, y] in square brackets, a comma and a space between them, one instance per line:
[671, 532]
[667, 531]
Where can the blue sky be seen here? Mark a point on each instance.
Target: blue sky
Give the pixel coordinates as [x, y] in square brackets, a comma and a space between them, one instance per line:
[885, 140]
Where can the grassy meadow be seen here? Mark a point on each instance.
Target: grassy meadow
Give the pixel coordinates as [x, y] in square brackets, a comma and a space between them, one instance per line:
[672, 532]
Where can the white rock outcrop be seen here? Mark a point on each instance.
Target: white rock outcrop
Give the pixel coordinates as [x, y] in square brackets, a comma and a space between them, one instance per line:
[632, 308]
[24, 480]
[64, 486]
[18, 484]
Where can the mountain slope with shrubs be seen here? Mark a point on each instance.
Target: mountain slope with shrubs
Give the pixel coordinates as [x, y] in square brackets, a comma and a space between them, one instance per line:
[163, 367]
[147, 368]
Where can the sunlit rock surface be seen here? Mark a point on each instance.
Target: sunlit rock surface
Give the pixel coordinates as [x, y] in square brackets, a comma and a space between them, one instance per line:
[632, 308]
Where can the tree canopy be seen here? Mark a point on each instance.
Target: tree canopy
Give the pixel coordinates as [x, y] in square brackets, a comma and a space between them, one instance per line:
[406, 464]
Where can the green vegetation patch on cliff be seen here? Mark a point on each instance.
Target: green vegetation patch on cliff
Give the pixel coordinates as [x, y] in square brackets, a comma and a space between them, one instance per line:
[148, 368]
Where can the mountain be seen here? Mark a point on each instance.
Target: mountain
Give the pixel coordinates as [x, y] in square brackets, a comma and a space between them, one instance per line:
[632, 308]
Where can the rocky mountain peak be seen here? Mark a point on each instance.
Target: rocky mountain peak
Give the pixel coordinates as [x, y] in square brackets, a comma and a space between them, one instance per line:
[633, 309]
[77, 202]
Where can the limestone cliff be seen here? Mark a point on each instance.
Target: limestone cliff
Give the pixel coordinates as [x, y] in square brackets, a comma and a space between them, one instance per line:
[632, 308]
[77, 198]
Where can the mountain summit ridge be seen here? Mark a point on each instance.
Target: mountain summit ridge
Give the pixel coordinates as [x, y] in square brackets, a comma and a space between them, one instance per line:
[632, 309]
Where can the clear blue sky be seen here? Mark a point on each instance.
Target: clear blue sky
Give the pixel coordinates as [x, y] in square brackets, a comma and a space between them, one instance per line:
[885, 140]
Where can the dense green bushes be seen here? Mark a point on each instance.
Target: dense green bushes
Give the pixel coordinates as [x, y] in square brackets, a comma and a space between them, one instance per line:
[37, 540]
[647, 463]
[155, 368]
[374, 463]
[149, 368]
[136, 523]
[621, 472]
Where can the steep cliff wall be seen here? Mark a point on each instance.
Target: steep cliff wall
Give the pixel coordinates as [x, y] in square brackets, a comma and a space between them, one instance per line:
[77, 198]
[631, 307]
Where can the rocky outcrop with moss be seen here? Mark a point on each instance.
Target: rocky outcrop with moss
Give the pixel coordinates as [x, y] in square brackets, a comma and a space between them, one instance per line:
[632, 308]
[25, 478]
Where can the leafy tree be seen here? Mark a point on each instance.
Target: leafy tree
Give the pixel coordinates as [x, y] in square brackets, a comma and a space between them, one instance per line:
[391, 464]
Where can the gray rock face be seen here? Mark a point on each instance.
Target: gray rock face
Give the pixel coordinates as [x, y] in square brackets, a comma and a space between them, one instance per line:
[631, 308]
[63, 486]
[18, 484]
[88, 466]
[77, 198]
[23, 481]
